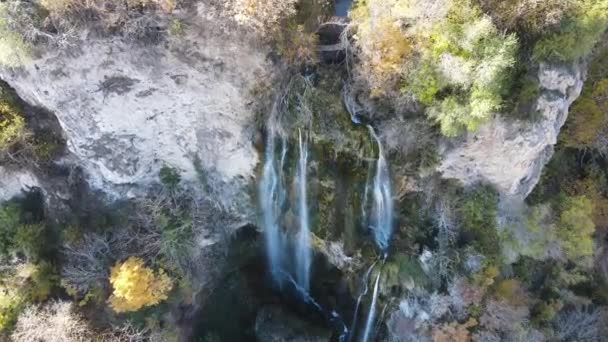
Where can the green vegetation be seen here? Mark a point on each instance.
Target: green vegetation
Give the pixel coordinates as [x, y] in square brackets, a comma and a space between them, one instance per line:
[459, 62]
[14, 50]
[17, 236]
[587, 124]
[477, 208]
[575, 227]
[458, 69]
[25, 276]
[169, 177]
[12, 124]
[579, 32]
[416, 70]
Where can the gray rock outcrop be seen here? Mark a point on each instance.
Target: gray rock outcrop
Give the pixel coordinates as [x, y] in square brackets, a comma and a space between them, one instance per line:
[127, 109]
[511, 154]
[13, 183]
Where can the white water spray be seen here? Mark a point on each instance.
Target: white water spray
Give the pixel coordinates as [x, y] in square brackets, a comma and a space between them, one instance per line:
[382, 209]
[303, 251]
[365, 280]
[371, 316]
[271, 197]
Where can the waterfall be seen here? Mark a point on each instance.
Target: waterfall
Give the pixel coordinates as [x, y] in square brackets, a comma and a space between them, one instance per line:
[303, 252]
[382, 209]
[272, 195]
[372, 311]
[365, 280]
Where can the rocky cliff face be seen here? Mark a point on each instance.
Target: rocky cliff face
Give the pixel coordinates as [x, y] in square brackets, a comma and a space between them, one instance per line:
[510, 154]
[128, 109]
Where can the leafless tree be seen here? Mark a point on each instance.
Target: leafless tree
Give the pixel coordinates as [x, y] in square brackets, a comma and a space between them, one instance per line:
[55, 321]
[583, 324]
[502, 317]
[86, 262]
[443, 259]
[463, 294]
[21, 17]
[126, 333]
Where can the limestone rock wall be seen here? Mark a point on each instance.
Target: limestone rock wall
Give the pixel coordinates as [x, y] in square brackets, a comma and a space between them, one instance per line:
[127, 109]
[511, 154]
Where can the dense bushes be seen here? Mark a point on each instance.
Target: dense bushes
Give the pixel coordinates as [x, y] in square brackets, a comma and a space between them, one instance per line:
[12, 124]
[554, 30]
[23, 141]
[14, 50]
[453, 61]
[455, 58]
[529, 18]
[18, 237]
[264, 16]
[576, 227]
[587, 122]
[25, 276]
[289, 25]
[580, 30]
[53, 321]
[383, 45]
[477, 208]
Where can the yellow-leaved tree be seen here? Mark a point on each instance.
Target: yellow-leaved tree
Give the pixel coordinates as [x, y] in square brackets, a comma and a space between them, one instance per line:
[136, 286]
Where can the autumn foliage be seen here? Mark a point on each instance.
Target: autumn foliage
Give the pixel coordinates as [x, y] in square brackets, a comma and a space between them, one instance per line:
[136, 286]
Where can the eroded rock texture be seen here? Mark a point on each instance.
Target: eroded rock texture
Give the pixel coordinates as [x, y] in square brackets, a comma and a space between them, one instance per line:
[127, 109]
[511, 154]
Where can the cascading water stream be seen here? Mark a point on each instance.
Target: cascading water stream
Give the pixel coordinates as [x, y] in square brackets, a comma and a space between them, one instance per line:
[303, 251]
[271, 196]
[381, 223]
[371, 316]
[365, 280]
[382, 209]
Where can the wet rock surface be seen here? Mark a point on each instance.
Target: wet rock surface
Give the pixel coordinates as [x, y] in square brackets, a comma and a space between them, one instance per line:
[275, 324]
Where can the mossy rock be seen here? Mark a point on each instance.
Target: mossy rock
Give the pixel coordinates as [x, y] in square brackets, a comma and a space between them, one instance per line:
[402, 273]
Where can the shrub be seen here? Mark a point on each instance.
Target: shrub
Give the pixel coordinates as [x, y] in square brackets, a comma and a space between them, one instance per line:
[477, 208]
[131, 17]
[512, 292]
[53, 321]
[86, 263]
[9, 223]
[16, 237]
[29, 240]
[528, 17]
[296, 46]
[581, 324]
[383, 45]
[169, 177]
[12, 124]
[587, 116]
[265, 16]
[454, 331]
[454, 61]
[15, 286]
[575, 227]
[502, 318]
[43, 278]
[136, 286]
[14, 50]
[578, 34]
